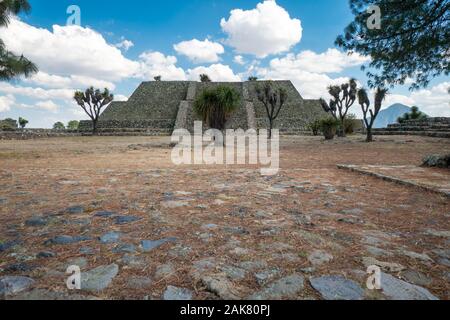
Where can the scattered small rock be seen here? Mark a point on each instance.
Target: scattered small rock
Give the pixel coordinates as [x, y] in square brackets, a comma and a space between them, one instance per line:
[126, 219]
[386, 266]
[139, 283]
[285, 288]
[46, 255]
[149, 245]
[64, 240]
[233, 273]
[36, 222]
[223, 288]
[319, 257]
[13, 285]
[334, 287]
[177, 294]
[75, 210]
[416, 278]
[124, 248]
[164, 271]
[397, 289]
[110, 237]
[266, 276]
[99, 279]
[104, 214]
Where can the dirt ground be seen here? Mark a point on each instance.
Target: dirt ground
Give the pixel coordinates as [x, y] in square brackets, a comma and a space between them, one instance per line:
[228, 231]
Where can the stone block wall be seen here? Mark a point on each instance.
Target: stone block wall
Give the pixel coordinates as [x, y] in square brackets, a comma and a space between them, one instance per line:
[168, 105]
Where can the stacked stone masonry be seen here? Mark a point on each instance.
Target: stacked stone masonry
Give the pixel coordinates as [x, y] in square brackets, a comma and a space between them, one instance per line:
[431, 127]
[159, 107]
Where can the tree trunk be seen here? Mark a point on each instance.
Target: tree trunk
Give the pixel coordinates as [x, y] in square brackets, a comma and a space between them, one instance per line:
[270, 129]
[341, 130]
[369, 134]
[94, 127]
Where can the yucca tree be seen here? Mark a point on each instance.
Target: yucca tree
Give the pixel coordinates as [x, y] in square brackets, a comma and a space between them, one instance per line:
[273, 100]
[12, 65]
[343, 98]
[205, 78]
[370, 115]
[93, 101]
[215, 105]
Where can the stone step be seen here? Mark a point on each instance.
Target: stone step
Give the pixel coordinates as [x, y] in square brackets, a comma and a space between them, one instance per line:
[420, 125]
[414, 128]
[435, 134]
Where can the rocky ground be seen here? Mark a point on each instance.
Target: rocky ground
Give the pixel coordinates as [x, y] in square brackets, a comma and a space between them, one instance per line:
[141, 228]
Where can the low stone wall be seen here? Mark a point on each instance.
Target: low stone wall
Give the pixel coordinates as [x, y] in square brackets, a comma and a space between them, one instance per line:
[86, 125]
[430, 127]
[29, 134]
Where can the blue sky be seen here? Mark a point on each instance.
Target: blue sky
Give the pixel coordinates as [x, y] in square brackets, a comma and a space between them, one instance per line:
[120, 45]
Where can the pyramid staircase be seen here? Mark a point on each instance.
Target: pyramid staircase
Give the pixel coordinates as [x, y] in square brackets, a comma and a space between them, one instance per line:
[430, 127]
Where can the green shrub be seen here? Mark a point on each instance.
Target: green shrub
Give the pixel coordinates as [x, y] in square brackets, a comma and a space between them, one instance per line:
[329, 126]
[349, 124]
[73, 125]
[8, 124]
[415, 114]
[315, 126]
[59, 126]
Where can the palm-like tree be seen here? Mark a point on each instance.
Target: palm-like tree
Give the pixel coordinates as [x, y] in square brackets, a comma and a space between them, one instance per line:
[205, 78]
[93, 101]
[215, 105]
[12, 65]
[369, 114]
[343, 98]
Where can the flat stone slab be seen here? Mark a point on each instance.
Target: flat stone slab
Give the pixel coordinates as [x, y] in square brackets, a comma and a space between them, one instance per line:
[337, 288]
[285, 288]
[430, 179]
[110, 237]
[63, 240]
[98, 279]
[13, 285]
[75, 210]
[126, 219]
[397, 289]
[174, 294]
[149, 245]
[8, 245]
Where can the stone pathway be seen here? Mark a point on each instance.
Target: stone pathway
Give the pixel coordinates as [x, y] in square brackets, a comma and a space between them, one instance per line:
[431, 179]
[177, 234]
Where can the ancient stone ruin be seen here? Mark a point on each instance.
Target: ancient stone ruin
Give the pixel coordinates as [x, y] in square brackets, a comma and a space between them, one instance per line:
[159, 107]
[430, 127]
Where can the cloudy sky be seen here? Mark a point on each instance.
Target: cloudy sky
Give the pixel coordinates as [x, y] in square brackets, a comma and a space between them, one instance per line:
[119, 44]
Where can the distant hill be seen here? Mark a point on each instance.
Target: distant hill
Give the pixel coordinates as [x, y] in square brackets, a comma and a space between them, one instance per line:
[390, 115]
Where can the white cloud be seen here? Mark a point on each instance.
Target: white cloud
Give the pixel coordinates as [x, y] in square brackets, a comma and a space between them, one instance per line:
[216, 72]
[308, 70]
[73, 50]
[330, 61]
[125, 44]
[37, 93]
[266, 30]
[200, 51]
[434, 101]
[120, 97]
[48, 105]
[78, 82]
[239, 60]
[157, 64]
[6, 102]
